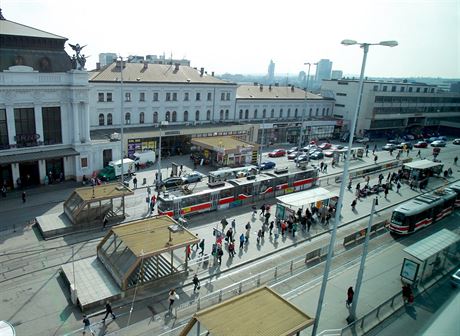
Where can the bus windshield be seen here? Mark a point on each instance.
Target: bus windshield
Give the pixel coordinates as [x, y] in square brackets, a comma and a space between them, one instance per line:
[397, 218]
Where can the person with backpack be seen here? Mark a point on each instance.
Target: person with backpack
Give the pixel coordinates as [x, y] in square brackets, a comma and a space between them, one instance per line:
[87, 326]
[231, 248]
[242, 239]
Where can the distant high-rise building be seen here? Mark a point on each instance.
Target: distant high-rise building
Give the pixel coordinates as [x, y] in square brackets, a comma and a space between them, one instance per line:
[106, 58]
[135, 59]
[337, 74]
[271, 72]
[323, 70]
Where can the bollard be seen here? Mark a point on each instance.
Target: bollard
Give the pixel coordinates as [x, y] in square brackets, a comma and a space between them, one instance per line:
[220, 295]
[198, 304]
[258, 280]
[276, 272]
[292, 265]
[240, 289]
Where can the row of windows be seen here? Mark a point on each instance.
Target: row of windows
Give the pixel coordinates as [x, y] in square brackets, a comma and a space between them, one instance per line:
[421, 100]
[394, 88]
[169, 96]
[418, 109]
[387, 123]
[245, 114]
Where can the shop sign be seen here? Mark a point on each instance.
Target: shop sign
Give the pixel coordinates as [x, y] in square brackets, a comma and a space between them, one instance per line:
[26, 137]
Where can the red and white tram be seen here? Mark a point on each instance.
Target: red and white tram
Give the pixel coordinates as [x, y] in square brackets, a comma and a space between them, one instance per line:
[456, 188]
[422, 211]
[235, 193]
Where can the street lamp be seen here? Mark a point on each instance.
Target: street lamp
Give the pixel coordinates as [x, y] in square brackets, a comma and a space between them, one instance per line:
[159, 152]
[121, 120]
[365, 47]
[304, 111]
[261, 142]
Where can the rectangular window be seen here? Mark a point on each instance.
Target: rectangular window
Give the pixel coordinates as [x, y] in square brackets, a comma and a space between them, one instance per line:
[393, 88]
[155, 96]
[376, 87]
[228, 95]
[425, 90]
[142, 96]
[174, 96]
[52, 130]
[109, 96]
[209, 96]
[100, 97]
[384, 88]
[168, 96]
[198, 96]
[186, 96]
[410, 89]
[418, 89]
[24, 120]
[222, 96]
[127, 96]
[402, 89]
[341, 94]
[84, 162]
[4, 142]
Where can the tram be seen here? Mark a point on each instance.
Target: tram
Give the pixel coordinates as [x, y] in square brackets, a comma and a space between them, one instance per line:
[422, 211]
[456, 187]
[236, 192]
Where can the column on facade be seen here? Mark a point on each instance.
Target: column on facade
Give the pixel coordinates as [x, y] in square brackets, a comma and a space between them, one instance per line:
[15, 173]
[39, 122]
[76, 123]
[42, 170]
[87, 122]
[11, 126]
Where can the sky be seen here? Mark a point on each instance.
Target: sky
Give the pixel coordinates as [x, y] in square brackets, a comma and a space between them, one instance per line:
[242, 36]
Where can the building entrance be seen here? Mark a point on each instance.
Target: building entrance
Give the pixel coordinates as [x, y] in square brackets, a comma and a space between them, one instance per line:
[6, 177]
[29, 174]
[55, 170]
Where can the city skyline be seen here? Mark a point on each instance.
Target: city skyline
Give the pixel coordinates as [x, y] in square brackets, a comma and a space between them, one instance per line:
[232, 39]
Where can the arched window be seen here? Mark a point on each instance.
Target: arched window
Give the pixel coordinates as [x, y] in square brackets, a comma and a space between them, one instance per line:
[317, 111]
[281, 113]
[324, 110]
[246, 114]
[221, 115]
[174, 116]
[296, 113]
[241, 114]
[185, 115]
[289, 113]
[327, 111]
[155, 117]
[272, 113]
[208, 115]
[109, 119]
[168, 116]
[197, 115]
[255, 114]
[264, 113]
[141, 117]
[128, 118]
[226, 114]
[311, 112]
[101, 120]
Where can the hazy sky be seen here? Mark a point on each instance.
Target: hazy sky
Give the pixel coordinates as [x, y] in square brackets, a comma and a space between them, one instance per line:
[241, 36]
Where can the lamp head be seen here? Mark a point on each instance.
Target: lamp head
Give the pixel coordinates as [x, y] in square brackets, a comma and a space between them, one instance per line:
[349, 42]
[389, 43]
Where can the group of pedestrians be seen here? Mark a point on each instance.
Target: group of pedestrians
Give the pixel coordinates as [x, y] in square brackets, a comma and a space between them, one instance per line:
[87, 323]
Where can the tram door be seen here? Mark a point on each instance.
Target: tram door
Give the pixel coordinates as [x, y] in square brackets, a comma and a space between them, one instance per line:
[177, 208]
[214, 200]
[255, 191]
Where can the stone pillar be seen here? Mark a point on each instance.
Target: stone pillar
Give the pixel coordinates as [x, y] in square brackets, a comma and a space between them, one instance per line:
[10, 124]
[42, 170]
[86, 122]
[76, 123]
[15, 173]
[39, 122]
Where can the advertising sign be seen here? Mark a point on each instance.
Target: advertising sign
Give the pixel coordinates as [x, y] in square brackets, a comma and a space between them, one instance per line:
[409, 270]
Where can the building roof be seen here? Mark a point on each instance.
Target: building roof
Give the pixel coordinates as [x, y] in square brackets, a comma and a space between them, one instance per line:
[432, 245]
[151, 236]
[154, 73]
[13, 28]
[258, 312]
[224, 143]
[422, 164]
[305, 198]
[102, 192]
[273, 92]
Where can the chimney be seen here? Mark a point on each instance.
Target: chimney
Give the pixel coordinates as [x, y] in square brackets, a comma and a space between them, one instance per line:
[146, 65]
[176, 66]
[270, 87]
[201, 72]
[292, 88]
[98, 66]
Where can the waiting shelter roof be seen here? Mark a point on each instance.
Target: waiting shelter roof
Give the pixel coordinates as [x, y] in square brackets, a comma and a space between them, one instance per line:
[306, 197]
[422, 164]
[256, 313]
[104, 191]
[226, 144]
[430, 246]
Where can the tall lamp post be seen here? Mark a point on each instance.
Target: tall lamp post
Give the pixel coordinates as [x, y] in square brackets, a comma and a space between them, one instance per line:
[159, 153]
[304, 111]
[261, 142]
[121, 121]
[365, 47]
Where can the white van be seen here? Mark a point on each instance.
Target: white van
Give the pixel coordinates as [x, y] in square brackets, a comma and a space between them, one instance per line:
[144, 158]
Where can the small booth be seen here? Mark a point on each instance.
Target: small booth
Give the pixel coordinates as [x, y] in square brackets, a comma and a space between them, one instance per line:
[259, 312]
[356, 153]
[421, 170]
[431, 257]
[319, 197]
[227, 151]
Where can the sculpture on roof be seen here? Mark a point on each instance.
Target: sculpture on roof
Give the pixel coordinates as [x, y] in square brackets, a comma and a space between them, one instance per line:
[80, 59]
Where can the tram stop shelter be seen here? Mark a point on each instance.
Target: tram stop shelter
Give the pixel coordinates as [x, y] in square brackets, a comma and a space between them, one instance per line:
[143, 251]
[260, 312]
[287, 205]
[431, 257]
[421, 169]
[87, 207]
[227, 151]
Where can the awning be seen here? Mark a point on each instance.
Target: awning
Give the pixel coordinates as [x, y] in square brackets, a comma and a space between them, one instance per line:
[432, 245]
[301, 198]
[38, 155]
[422, 164]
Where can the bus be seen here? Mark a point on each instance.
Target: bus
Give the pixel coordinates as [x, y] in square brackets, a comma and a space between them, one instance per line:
[233, 193]
[422, 211]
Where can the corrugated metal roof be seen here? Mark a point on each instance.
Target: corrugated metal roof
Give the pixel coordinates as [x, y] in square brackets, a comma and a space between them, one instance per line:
[301, 198]
[154, 73]
[226, 143]
[276, 92]
[13, 28]
[422, 164]
[38, 155]
[437, 242]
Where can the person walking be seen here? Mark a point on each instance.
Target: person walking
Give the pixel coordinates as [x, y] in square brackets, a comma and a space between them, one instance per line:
[201, 245]
[196, 283]
[276, 232]
[321, 166]
[135, 182]
[350, 294]
[455, 160]
[188, 252]
[398, 186]
[220, 253]
[231, 248]
[23, 197]
[325, 168]
[267, 217]
[259, 236]
[172, 296]
[353, 205]
[108, 311]
[224, 223]
[242, 239]
[419, 154]
[87, 326]
[262, 210]
[3, 191]
[386, 191]
[234, 225]
[375, 158]
[272, 223]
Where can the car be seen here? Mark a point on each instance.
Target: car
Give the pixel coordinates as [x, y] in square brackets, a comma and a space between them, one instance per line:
[337, 147]
[404, 144]
[193, 177]
[308, 147]
[171, 182]
[389, 146]
[301, 158]
[456, 142]
[421, 144]
[277, 153]
[325, 145]
[455, 279]
[408, 137]
[443, 138]
[292, 149]
[267, 165]
[431, 139]
[314, 150]
[362, 140]
[292, 155]
[317, 156]
[438, 143]
[328, 153]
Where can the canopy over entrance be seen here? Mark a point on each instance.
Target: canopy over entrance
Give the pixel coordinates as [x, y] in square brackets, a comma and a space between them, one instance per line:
[302, 198]
[432, 245]
[256, 313]
[423, 164]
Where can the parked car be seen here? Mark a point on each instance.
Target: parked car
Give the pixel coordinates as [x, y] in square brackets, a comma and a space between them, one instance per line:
[338, 147]
[193, 177]
[171, 182]
[438, 143]
[408, 137]
[456, 142]
[317, 156]
[443, 138]
[277, 153]
[389, 146]
[267, 165]
[301, 158]
[393, 141]
[430, 140]
[328, 153]
[308, 147]
[455, 279]
[402, 144]
[292, 149]
[421, 144]
[325, 145]
[292, 155]
[362, 140]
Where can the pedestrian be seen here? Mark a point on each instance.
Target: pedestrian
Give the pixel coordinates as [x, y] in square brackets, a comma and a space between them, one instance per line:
[201, 245]
[262, 210]
[172, 297]
[276, 233]
[408, 151]
[259, 236]
[23, 197]
[375, 158]
[283, 228]
[449, 171]
[333, 163]
[229, 235]
[321, 166]
[408, 296]
[224, 223]
[391, 152]
[376, 202]
[358, 186]
[398, 186]
[231, 248]
[188, 252]
[455, 160]
[349, 185]
[196, 283]
[87, 326]
[242, 239]
[105, 222]
[272, 223]
[220, 253]
[234, 225]
[388, 176]
[267, 217]
[386, 192]
[294, 229]
[3, 191]
[325, 168]
[353, 205]
[350, 294]
[135, 182]
[108, 311]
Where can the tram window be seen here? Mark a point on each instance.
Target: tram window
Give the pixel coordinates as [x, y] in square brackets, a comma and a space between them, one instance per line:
[398, 217]
[226, 193]
[281, 180]
[246, 189]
